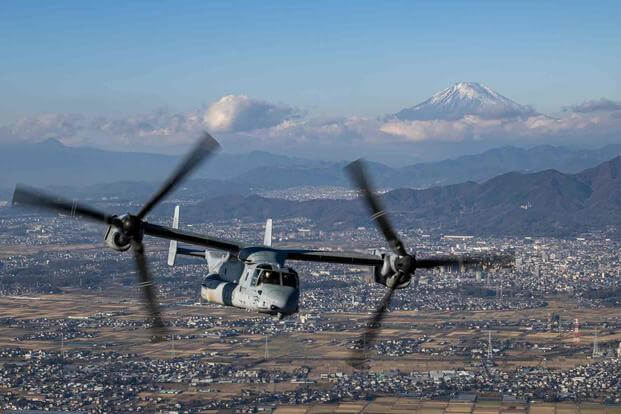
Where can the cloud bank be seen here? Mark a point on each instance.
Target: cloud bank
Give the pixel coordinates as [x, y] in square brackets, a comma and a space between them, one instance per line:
[539, 128]
[595, 105]
[243, 123]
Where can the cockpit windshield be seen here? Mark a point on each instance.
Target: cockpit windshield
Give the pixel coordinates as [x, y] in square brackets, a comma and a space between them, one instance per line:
[269, 277]
[287, 277]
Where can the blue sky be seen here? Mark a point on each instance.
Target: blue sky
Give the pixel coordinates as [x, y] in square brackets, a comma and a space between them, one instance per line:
[326, 58]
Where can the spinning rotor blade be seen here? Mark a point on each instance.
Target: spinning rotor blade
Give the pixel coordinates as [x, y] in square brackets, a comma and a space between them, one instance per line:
[370, 331]
[205, 147]
[357, 173]
[406, 263]
[133, 228]
[148, 289]
[441, 261]
[35, 198]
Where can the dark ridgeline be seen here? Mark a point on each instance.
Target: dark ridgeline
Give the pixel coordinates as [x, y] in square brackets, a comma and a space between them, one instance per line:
[547, 203]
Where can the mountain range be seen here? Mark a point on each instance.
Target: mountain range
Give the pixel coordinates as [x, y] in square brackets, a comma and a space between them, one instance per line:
[477, 167]
[88, 172]
[544, 203]
[51, 163]
[541, 203]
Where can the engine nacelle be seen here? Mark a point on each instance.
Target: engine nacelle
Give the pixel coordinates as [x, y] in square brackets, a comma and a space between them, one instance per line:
[216, 290]
[387, 274]
[114, 239]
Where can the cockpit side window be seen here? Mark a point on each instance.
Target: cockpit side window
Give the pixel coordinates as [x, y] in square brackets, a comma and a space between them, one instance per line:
[269, 277]
[290, 278]
[255, 278]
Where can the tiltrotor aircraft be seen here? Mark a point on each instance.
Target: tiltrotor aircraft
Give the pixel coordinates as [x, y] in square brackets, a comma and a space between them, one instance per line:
[256, 278]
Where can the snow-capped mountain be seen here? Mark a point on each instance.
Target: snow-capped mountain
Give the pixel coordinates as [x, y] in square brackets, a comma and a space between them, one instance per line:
[465, 98]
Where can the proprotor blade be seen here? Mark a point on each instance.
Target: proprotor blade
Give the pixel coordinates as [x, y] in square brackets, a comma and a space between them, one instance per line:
[357, 172]
[36, 198]
[371, 329]
[148, 289]
[205, 147]
[453, 261]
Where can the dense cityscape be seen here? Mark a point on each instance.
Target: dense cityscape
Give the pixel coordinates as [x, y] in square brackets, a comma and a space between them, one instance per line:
[79, 361]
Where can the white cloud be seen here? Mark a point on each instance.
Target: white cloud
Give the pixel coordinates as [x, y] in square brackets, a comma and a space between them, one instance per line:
[534, 128]
[321, 129]
[46, 125]
[595, 105]
[440, 130]
[238, 113]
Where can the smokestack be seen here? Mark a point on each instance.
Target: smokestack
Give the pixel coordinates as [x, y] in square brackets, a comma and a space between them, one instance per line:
[577, 331]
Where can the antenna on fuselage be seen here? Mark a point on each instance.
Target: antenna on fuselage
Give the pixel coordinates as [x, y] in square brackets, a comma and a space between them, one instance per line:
[267, 238]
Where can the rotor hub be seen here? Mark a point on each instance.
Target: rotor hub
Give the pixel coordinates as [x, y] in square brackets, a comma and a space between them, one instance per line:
[131, 227]
[405, 264]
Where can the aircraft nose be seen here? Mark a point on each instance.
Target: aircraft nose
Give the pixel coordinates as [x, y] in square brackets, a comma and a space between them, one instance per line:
[288, 303]
[292, 302]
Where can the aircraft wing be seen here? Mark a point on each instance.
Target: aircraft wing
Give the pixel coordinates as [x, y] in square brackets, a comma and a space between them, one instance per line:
[431, 262]
[492, 260]
[351, 258]
[191, 238]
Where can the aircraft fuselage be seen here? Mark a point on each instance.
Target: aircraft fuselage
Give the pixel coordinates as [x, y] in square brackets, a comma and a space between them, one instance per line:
[265, 287]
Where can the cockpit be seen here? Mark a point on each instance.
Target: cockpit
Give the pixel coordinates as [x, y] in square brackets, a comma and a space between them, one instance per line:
[266, 274]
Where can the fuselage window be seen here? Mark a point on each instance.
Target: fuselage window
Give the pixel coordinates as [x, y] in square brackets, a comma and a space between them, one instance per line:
[269, 277]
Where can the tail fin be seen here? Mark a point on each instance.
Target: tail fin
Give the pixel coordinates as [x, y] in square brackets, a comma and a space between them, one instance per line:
[172, 249]
[267, 238]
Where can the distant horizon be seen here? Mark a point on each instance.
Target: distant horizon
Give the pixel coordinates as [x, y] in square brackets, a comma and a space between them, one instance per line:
[575, 147]
[50, 163]
[403, 142]
[327, 80]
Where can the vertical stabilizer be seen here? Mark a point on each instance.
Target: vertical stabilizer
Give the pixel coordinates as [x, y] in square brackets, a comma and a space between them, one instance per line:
[267, 238]
[172, 249]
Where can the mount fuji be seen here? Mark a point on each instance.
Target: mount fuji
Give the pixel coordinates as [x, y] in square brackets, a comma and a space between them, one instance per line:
[463, 99]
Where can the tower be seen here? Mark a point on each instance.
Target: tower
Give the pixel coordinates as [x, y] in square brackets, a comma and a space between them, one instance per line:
[267, 353]
[490, 352]
[577, 331]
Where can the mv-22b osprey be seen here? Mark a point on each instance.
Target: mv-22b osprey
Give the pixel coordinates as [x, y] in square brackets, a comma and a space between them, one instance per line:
[249, 277]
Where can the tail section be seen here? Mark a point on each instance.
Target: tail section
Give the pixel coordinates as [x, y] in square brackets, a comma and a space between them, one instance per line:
[172, 249]
[267, 238]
